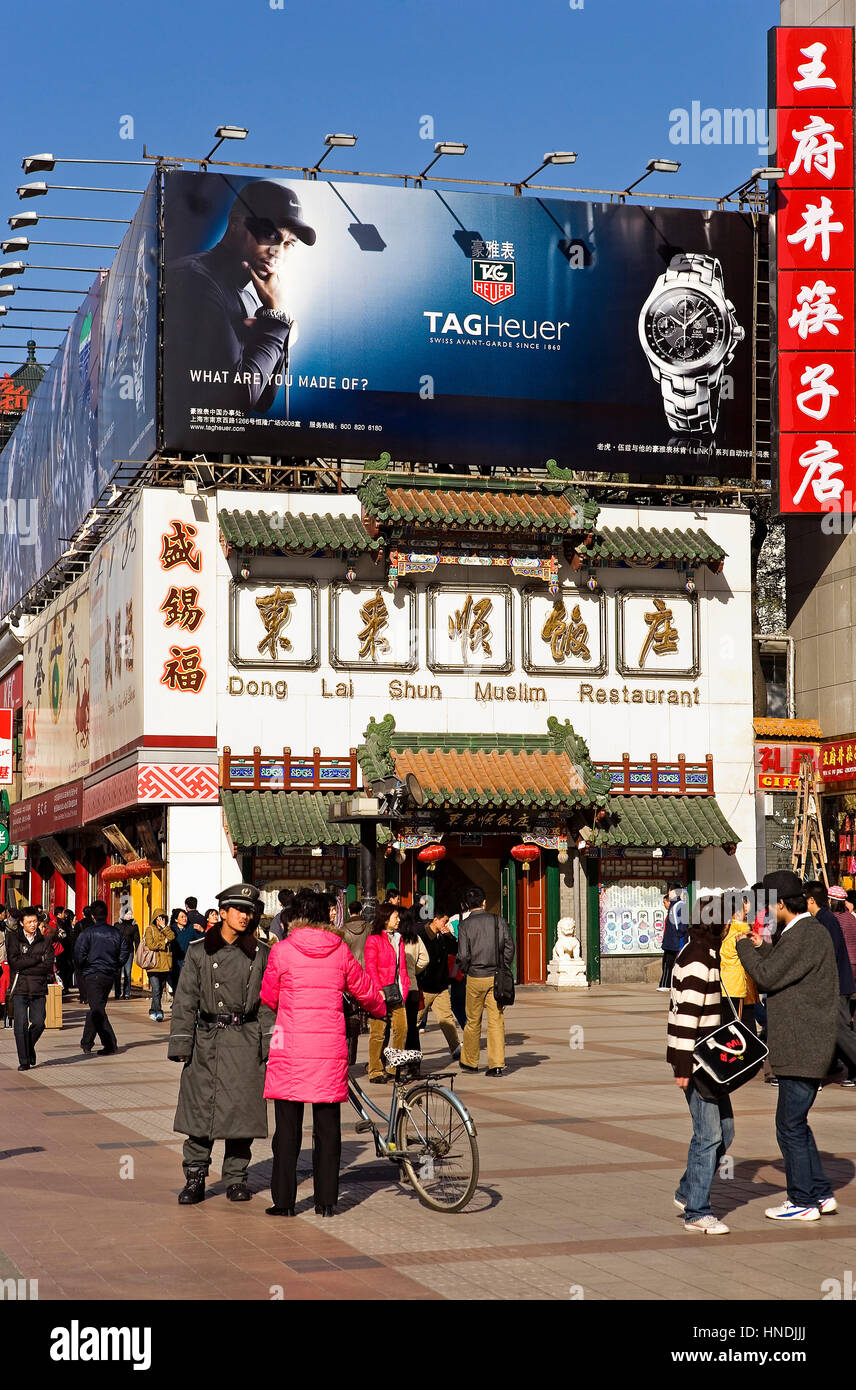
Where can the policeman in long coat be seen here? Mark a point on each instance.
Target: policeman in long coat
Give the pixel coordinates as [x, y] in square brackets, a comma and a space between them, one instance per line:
[221, 1033]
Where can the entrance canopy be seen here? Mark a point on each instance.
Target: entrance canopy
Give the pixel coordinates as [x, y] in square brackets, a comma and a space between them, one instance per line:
[457, 772]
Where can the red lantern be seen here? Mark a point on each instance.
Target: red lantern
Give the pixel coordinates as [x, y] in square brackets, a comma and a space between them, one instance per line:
[431, 855]
[138, 868]
[114, 873]
[525, 855]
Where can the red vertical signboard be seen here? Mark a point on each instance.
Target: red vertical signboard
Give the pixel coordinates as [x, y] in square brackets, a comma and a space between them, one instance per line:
[811, 75]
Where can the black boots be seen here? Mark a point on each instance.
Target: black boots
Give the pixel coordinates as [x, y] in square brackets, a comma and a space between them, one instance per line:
[194, 1189]
[280, 1211]
[323, 1211]
[239, 1192]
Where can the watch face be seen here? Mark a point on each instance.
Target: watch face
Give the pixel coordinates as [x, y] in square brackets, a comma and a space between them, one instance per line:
[683, 326]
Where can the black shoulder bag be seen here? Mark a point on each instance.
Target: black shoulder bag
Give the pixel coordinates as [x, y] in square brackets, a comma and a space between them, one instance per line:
[503, 980]
[727, 1057]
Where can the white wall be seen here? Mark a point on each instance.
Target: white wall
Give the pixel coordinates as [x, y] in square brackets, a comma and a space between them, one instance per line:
[719, 723]
[198, 857]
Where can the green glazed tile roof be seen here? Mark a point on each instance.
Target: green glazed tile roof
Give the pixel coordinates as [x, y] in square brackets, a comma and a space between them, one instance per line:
[286, 819]
[629, 544]
[438, 501]
[685, 822]
[551, 770]
[286, 531]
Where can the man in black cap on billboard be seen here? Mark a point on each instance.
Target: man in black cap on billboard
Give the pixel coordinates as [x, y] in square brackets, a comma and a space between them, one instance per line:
[227, 308]
[800, 978]
[221, 1033]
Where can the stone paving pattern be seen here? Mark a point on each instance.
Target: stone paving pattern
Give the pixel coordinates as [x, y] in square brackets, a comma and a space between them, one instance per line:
[581, 1148]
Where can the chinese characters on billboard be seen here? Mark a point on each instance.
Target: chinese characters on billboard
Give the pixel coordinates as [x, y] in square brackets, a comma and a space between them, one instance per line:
[813, 95]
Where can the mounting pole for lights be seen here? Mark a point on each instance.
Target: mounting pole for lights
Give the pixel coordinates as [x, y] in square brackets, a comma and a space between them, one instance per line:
[225, 132]
[45, 163]
[654, 166]
[333, 142]
[40, 190]
[769, 173]
[554, 157]
[30, 219]
[442, 147]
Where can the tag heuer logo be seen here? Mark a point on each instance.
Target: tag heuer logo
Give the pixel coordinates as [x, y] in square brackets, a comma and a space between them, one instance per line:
[493, 280]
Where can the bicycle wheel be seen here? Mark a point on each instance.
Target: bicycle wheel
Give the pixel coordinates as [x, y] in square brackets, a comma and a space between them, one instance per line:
[439, 1153]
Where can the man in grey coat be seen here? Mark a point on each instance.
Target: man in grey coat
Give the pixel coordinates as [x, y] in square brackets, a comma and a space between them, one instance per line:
[800, 978]
[221, 1032]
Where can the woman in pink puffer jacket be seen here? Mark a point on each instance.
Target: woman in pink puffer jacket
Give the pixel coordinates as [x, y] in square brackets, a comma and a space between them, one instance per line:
[305, 977]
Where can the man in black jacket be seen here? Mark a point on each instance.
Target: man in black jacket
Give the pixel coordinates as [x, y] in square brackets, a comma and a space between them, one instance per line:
[31, 969]
[99, 954]
[129, 929]
[477, 958]
[817, 898]
[229, 306]
[440, 943]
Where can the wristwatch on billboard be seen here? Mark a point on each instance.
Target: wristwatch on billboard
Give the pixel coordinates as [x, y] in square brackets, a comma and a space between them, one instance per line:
[689, 333]
[279, 314]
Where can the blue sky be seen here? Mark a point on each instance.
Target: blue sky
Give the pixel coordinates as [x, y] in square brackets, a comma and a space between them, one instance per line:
[511, 79]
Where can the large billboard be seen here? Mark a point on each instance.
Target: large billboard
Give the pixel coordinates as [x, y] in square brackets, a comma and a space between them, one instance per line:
[313, 318]
[95, 405]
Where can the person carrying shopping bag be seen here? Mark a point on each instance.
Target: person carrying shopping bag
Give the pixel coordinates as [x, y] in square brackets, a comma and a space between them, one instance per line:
[386, 963]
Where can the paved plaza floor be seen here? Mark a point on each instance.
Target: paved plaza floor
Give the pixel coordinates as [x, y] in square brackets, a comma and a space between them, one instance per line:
[581, 1146]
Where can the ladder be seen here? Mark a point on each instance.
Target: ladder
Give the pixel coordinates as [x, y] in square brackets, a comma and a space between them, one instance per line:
[809, 850]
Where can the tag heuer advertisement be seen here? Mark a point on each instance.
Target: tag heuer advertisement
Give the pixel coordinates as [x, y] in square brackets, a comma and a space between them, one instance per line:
[310, 318]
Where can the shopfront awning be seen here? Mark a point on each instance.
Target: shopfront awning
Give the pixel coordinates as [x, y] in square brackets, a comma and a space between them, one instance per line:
[280, 819]
[682, 822]
[287, 533]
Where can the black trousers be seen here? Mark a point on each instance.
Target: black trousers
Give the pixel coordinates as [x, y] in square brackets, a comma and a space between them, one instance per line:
[669, 958]
[326, 1151]
[411, 1010]
[98, 989]
[845, 1043]
[29, 1024]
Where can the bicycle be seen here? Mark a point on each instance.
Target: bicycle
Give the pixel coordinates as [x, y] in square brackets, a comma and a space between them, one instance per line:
[430, 1134]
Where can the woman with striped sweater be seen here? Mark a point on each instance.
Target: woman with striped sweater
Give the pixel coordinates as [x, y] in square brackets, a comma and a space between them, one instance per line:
[695, 1007]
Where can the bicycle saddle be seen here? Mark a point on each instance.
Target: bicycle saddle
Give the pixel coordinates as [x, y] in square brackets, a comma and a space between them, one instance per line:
[397, 1057]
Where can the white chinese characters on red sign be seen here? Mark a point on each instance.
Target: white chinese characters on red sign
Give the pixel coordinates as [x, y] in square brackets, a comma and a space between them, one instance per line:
[815, 260]
[6, 760]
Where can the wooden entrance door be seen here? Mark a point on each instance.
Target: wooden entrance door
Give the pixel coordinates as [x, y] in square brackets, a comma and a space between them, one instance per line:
[532, 923]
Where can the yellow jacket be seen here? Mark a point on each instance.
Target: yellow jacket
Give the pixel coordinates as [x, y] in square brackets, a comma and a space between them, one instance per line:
[734, 978]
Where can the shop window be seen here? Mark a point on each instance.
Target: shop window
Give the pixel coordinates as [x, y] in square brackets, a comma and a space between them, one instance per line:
[774, 659]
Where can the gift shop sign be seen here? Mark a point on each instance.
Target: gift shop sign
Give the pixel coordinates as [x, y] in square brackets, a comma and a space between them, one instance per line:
[811, 79]
[777, 765]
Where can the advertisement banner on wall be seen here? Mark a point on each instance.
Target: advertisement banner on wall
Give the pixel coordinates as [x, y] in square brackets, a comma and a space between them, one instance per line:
[115, 615]
[129, 344]
[48, 470]
[95, 405]
[347, 319]
[56, 693]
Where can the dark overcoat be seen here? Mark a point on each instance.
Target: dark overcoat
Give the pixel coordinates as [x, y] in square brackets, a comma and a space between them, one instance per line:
[222, 1085]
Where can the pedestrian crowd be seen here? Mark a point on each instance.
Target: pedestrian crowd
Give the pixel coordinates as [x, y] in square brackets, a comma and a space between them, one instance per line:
[773, 963]
[269, 1012]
